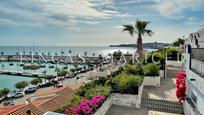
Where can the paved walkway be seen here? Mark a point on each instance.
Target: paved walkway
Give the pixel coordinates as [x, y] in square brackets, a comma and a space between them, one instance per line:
[167, 90]
[122, 110]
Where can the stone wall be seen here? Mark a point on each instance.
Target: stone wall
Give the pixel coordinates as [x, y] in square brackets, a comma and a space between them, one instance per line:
[105, 106]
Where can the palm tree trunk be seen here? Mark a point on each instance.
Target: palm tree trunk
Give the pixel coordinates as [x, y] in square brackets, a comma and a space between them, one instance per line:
[139, 44]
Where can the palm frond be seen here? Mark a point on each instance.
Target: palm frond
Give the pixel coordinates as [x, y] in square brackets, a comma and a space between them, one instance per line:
[129, 28]
[149, 32]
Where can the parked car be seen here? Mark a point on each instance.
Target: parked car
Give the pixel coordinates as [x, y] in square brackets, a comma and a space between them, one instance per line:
[59, 85]
[30, 89]
[18, 94]
[1, 98]
[8, 103]
[46, 84]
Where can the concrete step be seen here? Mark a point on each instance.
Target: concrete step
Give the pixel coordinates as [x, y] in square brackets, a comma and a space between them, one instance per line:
[162, 105]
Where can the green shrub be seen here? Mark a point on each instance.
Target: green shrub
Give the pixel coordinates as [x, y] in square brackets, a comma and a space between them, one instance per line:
[82, 90]
[173, 54]
[127, 84]
[151, 70]
[98, 90]
[132, 69]
[75, 100]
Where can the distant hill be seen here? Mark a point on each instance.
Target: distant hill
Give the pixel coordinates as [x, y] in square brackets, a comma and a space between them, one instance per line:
[154, 45]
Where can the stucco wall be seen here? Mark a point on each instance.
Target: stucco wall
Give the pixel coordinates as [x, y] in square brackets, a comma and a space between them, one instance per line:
[196, 86]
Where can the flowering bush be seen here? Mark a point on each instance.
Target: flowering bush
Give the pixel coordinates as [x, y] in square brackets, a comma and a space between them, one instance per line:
[180, 86]
[86, 107]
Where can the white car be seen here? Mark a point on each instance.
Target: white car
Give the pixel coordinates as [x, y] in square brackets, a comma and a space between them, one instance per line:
[18, 94]
[30, 89]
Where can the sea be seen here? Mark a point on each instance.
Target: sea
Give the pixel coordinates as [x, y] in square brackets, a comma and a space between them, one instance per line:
[8, 81]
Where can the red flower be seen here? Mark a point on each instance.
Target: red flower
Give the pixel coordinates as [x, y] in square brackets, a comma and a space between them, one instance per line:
[180, 85]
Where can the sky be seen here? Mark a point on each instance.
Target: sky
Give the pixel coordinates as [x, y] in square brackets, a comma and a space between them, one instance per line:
[95, 22]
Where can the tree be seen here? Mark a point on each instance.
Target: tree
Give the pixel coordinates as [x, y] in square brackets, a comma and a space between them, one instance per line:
[62, 72]
[2, 53]
[180, 41]
[21, 85]
[57, 69]
[34, 82]
[85, 54]
[39, 81]
[70, 51]
[44, 72]
[4, 92]
[62, 53]
[49, 77]
[93, 54]
[140, 28]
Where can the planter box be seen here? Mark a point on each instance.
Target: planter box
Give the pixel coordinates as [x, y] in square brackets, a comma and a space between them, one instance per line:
[153, 80]
[105, 107]
[128, 100]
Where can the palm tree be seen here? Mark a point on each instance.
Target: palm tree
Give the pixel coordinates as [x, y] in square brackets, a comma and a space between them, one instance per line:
[140, 28]
[93, 54]
[24, 52]
[2, 53]
[62, 53]
[70, 51]
[85, 54]
[44, 72]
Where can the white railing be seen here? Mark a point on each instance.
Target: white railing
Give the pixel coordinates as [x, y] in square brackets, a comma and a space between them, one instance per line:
[197, 66]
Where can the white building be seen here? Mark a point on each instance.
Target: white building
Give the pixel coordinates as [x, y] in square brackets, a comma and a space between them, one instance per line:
[194, 60]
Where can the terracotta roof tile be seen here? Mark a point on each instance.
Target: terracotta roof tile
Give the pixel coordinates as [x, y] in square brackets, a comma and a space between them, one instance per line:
[29, 108]
[7, 109]
[66, 92]
[54, 103]
[42, 105]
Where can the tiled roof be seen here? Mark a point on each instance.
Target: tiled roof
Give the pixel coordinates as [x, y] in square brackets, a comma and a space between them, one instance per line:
[7, 109]
[66, 92]
[54, 103]
[39, 101]
[62, 97]
[28, 109]
[44, 104]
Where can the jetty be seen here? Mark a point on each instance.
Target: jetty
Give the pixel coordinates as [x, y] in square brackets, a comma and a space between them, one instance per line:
[19, 73]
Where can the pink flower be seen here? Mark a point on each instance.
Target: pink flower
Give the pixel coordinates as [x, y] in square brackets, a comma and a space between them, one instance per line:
[86, 107]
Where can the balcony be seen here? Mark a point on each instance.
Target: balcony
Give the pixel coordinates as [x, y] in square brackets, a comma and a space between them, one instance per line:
[197, 66]
[197, 61]
[197, 53]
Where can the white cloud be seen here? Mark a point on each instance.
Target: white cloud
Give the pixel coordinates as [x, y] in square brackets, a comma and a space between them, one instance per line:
[171, 8]
[194, 21]
[53, 12]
